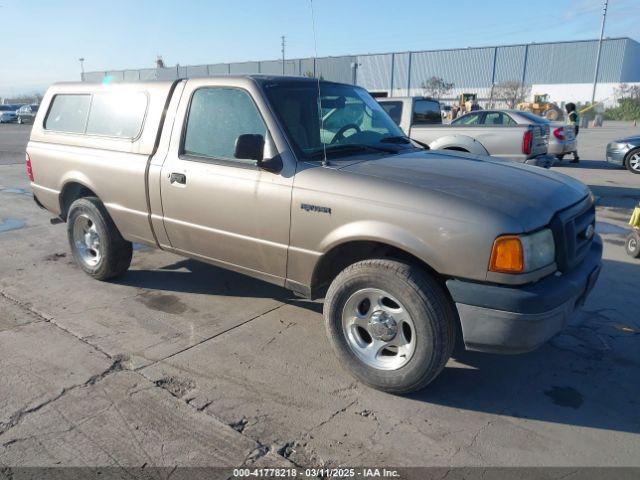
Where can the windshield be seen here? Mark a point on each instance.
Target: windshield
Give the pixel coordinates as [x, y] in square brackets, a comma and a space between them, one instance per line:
[351, 120]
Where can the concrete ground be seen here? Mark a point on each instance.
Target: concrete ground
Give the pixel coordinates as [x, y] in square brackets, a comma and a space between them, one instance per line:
[181, 363]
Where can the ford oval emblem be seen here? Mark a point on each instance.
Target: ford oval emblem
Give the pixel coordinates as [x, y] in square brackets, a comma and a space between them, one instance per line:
[588, 233]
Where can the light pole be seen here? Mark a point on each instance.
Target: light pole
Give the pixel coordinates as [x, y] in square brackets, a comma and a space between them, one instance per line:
[81, 60]
[595, 76]
[282, 48]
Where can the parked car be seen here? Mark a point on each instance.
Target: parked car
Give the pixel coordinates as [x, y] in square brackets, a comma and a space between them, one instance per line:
[8, 113]
[483, 132]
[401, 242]
[625, 152]
[562, 137]
[26, 113]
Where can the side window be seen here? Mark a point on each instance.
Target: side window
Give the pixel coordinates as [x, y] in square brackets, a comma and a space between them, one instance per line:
[68, 113]
[394, 110]
[497, 118]
[426, 112]
[118, 114]
[217, 117]
[470, 119]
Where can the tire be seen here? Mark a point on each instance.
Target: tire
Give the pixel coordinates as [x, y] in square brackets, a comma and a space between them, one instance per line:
[19, 120]
[632, 245]
[96, 244]
[420, 312]
[632, 161]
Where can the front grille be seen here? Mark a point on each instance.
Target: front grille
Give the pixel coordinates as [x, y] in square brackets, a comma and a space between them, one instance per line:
[572, 234]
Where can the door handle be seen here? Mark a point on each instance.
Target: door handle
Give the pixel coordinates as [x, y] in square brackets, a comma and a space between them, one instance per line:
[177, 178]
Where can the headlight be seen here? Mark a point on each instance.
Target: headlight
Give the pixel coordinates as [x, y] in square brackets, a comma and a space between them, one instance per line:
[522, 253]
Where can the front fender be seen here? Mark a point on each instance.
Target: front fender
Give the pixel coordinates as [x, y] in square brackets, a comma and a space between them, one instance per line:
[465, 142]
[385, 233]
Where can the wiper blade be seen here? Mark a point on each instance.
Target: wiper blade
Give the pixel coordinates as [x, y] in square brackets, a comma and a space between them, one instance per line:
[351, 148]
[396, 139]
[403, 139]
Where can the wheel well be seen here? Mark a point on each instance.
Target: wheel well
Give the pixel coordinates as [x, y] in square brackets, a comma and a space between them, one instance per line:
[341, 256]
[631, 152]
[457, 149]
[71, 192]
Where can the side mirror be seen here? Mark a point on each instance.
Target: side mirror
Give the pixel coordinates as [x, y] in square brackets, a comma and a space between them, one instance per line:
[250, 146]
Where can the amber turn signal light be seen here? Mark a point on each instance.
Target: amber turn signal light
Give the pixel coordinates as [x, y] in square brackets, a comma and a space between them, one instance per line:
[507, 255]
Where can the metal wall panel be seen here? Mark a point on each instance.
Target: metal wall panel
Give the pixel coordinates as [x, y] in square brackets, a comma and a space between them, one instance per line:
[245, 68]
[574, 62]
[336, 69]
[274, 67]
[94, 76]
[148, 74]
[115, 76]
[374, 71]
[631, 63]
[509, 63]
[170, 73]
[307, 68]
[400, 74]
[197, 71]
[471, 66]
[218, 69]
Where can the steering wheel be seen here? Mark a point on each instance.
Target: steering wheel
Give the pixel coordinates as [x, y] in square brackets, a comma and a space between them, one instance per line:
[340, 133]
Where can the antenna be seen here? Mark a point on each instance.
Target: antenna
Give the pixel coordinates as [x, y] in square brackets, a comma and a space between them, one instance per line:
[325, 162]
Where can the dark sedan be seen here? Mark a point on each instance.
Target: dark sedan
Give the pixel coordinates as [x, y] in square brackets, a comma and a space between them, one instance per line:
[27, 113]
[625, 152]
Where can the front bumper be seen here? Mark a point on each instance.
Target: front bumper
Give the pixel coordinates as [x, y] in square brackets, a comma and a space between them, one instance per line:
[510, 319]
[616, 152]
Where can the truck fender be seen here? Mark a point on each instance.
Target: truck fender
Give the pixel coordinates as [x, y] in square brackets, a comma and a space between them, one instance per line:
[455, 142]
[384, 233]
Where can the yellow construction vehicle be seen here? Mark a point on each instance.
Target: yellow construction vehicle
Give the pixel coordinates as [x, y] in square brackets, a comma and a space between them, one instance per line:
[466, 100]
[543, 107]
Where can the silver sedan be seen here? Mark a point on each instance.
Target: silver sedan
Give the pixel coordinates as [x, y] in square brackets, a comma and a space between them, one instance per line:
[625, 152]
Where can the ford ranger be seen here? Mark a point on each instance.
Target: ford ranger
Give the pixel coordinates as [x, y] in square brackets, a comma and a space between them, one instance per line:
[310, 185]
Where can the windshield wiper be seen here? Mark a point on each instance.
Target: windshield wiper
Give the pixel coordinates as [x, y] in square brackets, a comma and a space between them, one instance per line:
[351, 148]
[403, 139]
[396, 139]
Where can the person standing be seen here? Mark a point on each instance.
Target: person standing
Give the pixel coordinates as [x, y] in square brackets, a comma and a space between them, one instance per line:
[573, 118]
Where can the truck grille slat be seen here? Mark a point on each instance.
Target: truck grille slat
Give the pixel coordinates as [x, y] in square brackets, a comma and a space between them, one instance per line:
[572, 234]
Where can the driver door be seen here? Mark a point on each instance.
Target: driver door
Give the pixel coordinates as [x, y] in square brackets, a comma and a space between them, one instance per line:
[216, 207]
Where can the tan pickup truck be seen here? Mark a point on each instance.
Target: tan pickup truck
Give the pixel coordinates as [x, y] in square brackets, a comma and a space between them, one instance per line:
[312, 186]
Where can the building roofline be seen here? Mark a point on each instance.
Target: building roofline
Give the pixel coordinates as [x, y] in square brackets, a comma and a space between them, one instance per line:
[482, 47]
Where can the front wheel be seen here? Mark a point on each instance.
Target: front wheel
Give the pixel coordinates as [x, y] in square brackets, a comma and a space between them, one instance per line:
[96, 244]
[633, 161]
[390, 324]
[632, 245]
[20, 120]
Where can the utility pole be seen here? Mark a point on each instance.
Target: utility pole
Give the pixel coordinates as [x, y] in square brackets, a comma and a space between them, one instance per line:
[282, 45]
[81, 60]
[595, 76]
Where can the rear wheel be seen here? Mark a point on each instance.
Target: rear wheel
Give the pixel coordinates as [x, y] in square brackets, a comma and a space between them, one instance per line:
[633, 161]
[96, 244]
[390, 324]
[632, 245]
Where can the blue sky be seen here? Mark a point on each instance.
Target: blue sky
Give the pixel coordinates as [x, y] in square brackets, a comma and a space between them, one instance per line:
[42, 40]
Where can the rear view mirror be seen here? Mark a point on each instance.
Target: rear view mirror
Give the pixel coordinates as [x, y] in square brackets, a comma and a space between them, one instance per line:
[250, 146]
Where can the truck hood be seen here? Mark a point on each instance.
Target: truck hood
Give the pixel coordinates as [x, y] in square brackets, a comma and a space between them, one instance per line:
[529, 195]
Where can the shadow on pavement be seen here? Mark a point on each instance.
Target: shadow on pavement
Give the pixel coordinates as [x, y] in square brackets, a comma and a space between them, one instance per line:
[587, 375]
[625, 197]
[192, 276]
